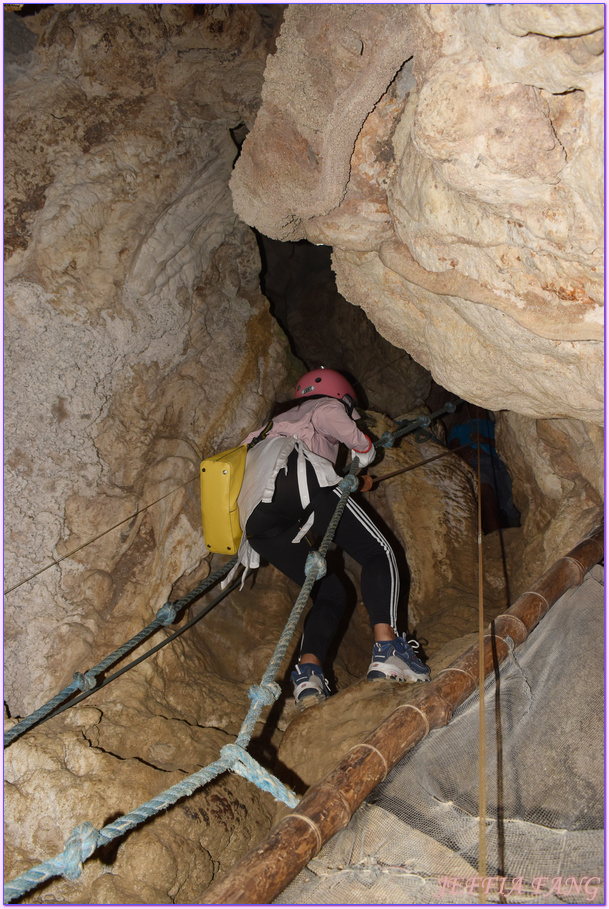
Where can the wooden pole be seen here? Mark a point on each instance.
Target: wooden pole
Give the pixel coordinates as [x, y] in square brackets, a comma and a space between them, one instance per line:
[329, 804]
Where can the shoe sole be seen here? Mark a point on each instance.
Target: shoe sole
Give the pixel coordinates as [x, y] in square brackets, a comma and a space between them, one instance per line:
[376, 674]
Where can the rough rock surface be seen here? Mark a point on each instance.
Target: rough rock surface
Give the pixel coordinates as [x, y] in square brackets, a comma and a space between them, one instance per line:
[321, 736]
[137, 338]
[299, 282]
[452, 157]
[59, 779]
[132, 315]
[560, 488]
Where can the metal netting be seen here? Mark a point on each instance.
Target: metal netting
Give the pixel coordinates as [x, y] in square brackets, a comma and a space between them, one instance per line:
[416, 840]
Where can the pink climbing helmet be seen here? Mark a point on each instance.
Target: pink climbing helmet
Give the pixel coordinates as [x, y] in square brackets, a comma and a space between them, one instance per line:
[326, 382]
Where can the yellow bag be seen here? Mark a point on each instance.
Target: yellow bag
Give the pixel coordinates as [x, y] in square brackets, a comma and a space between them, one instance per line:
[221, 481]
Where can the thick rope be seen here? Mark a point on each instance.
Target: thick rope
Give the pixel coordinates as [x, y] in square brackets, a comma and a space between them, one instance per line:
[144, 656]
[244, 765]
[85, 839]
[165, 616]
[388, 438]
[482, 852]
[88, 681]
[315, 568]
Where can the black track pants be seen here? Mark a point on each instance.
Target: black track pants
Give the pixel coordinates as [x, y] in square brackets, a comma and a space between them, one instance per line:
[271, 528]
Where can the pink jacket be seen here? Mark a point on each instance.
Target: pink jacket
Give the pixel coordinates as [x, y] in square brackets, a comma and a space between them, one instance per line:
[321, 425]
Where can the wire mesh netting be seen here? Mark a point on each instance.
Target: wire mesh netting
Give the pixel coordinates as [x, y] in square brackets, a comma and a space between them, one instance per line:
[417, 838]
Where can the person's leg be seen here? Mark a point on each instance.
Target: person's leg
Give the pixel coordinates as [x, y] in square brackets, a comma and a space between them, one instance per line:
[328, 594]
[490, 515]
[359, 536]
[310, 685]
[271, 530]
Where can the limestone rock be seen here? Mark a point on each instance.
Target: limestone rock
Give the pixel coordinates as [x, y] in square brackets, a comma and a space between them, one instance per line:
[432, 510]
[63, 779]
[558, 466]
[137, 340]
[465, 206]
[321, 736]
[136, 336]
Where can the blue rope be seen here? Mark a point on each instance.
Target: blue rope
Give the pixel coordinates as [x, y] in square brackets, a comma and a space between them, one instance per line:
[84, 840]
[315, 568]
[405, 426]
[144, 656]
[88, 680]
[244, 764]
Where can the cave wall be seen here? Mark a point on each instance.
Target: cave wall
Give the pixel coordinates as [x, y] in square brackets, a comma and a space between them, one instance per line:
[452, 156]
[299, 282]
[137, 339]
[136, 336]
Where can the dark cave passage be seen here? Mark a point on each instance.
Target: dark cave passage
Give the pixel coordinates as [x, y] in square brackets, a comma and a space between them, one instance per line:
[324, 329]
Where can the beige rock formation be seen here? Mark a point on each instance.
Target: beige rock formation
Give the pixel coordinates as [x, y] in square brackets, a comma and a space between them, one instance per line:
[465, 206]
[62, 777]
[137, 339]
[559, 492]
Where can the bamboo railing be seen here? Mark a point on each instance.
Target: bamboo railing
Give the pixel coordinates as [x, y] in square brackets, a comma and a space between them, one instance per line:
[329, 804]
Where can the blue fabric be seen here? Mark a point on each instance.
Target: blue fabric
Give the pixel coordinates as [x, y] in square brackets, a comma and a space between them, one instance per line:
[466, 434]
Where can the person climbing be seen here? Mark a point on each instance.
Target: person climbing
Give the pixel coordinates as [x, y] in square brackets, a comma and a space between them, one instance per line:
[289, 489]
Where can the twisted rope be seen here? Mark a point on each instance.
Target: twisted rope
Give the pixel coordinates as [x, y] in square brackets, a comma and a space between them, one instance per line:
[144, 656]
[315, 568]
[244, 765]
[84, 840]
[87, 681]
[388, 438]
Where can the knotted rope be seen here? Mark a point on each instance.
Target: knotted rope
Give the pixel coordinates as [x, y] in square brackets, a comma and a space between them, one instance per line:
[87, 681]
[420, 423]
[244, 765]
[85, 839]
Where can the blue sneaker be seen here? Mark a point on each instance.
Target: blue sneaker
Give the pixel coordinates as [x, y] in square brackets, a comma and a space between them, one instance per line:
[310, 686]
[397, 660]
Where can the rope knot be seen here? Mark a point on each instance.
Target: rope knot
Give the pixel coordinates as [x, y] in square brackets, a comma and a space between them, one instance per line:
[233, 753]
[243, 764]
[350, 483]
[264, 694]
[387, 440]
[85, 680]
[167, 613]
[315, 564]
[81, 844]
